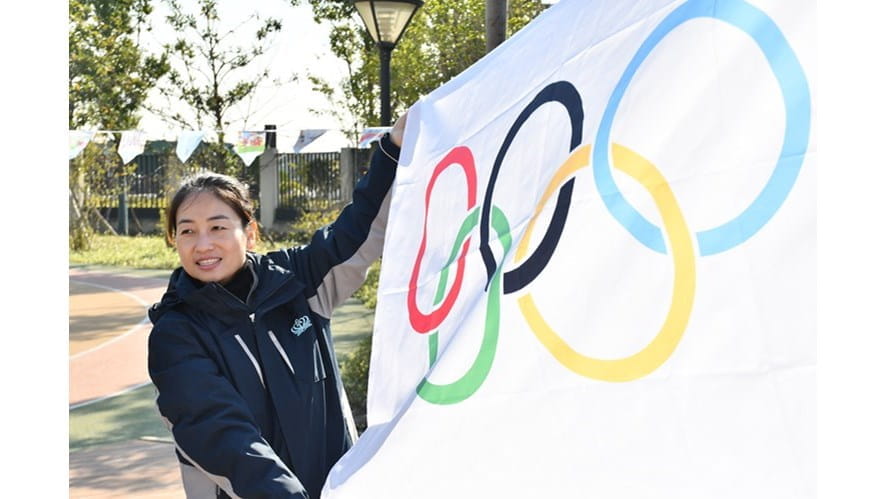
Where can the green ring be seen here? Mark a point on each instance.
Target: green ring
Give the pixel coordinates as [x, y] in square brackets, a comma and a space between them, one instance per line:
[465, 386]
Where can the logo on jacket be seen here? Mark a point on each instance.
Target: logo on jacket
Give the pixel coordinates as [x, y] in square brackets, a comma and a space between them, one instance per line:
[301, 325]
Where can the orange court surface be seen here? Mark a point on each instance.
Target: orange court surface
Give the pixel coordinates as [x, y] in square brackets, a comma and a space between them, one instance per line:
[117, 444]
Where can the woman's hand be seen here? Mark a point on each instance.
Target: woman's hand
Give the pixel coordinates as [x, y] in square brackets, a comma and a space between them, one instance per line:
[396, 132]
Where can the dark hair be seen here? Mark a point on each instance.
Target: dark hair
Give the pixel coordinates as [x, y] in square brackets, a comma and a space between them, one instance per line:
[228, 189]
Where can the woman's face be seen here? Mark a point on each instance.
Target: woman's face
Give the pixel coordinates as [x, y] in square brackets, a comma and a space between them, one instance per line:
[211, 239]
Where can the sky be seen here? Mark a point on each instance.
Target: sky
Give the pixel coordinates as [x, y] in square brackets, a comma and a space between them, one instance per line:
[301, 45]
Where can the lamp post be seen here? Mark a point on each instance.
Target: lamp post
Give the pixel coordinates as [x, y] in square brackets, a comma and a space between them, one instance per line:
[386, 21]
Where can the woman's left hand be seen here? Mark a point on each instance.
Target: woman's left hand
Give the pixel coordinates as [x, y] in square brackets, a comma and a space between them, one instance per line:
[396, 132]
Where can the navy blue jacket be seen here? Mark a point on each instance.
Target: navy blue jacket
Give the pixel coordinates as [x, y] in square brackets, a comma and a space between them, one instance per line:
[251, 390]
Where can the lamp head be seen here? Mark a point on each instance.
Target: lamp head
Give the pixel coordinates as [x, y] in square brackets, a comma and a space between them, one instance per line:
[386, 20]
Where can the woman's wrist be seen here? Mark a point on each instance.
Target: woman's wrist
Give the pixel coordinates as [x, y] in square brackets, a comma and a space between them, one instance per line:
[389, 148]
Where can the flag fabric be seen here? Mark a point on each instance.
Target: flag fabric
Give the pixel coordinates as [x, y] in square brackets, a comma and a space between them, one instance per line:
[187, 143]
[370, 135]
[132, 143]
[77, 141]
[611, 291]
[306, 137]
[249, 146]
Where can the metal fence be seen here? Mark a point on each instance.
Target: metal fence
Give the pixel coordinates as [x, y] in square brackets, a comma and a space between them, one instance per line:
[146, 187]
[149, 184]
[308, 182]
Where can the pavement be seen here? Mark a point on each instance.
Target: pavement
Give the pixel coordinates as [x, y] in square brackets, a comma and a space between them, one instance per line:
[118, 446]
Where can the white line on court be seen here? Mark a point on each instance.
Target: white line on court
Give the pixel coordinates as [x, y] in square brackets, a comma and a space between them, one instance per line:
[135, 328]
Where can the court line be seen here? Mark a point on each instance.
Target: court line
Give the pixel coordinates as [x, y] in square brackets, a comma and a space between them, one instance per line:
[135, 328]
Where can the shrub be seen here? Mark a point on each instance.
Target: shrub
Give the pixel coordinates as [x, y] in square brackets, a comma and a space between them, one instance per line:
[366, 293]
[309, 222]
[355, 373]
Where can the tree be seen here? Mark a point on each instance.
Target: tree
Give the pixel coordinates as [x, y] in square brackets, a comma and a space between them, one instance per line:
[109, 77]
[211, 75]
[443, 39]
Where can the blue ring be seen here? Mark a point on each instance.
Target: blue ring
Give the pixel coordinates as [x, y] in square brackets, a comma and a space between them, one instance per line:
[796, 97]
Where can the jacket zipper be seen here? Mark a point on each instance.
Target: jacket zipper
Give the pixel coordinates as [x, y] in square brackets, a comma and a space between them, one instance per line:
[252, 318]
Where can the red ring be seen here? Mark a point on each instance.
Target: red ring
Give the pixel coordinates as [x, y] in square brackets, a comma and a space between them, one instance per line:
[423, 323]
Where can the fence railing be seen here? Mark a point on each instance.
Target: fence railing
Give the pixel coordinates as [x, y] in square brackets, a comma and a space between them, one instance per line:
[305, 182]
[146, 187]
[308, 182]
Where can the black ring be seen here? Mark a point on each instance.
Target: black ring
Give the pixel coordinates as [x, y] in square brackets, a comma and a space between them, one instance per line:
[566, 94]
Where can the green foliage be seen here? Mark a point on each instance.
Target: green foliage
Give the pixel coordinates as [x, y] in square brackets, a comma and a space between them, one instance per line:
[355, 369]
[80, 238]
[308, 223]
[96, 171]
[109, 77]
[444, 38]
[219, 158]
[366, 293]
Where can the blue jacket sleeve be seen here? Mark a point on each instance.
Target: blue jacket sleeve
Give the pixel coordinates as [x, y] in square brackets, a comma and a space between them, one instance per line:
[335, 262]
[210, 422]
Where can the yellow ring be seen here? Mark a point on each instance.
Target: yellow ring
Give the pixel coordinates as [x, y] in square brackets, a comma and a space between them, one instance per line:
[663, 345]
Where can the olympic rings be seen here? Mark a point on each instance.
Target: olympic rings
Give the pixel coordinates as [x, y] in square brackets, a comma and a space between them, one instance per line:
[421, 322]
[663, 345]
[796, 97]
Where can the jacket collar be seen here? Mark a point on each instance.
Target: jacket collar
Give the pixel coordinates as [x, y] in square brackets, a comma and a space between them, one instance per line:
[272, 285]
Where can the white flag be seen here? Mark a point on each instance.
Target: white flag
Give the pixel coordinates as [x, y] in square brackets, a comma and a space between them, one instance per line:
[77, 141]
[306, 137]
[132, 143]
[187, 143]
[612, 289]
[249, 146]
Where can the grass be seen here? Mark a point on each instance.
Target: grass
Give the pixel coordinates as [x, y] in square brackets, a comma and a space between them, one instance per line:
[143, 252]
[140, 252]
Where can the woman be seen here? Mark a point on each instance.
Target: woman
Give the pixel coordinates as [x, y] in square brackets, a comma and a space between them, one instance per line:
[241, 352]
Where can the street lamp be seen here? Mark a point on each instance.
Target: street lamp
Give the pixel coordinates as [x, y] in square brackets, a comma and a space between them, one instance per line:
[386, 21]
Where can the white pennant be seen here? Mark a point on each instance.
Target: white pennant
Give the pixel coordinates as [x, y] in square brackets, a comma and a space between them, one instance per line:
[187, 143]
[77, 141]
[249, 146]
[132, 143]
[306, 137]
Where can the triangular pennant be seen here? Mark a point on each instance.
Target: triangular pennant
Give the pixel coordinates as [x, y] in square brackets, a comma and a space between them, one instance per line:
[249, 146]
[306, 137]
[77, 141]
[371, 135]
[132, 143]
[187, 143]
